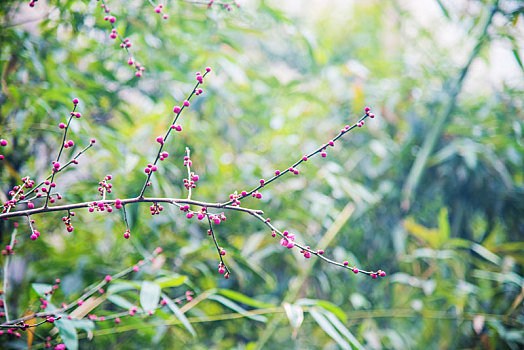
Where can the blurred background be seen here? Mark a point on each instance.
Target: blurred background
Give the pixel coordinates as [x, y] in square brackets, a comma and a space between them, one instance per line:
[431, 190]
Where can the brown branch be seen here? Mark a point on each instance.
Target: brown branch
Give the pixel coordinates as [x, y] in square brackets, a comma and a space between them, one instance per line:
[175, 201]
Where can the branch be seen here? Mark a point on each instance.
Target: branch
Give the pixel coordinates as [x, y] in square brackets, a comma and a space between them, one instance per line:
[151, 168]
[56, 164]
[235, 198]
[6, 271]
[124, 43]
[79, 301]
[222, 267]
[175, 201]
[307, 251]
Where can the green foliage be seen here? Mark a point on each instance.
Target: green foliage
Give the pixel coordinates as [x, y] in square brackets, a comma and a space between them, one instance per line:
[285, 79]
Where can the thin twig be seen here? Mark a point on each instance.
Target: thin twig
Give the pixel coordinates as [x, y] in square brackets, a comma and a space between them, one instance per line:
[344, 131]
[188, 165]
[314, 252]
[171, 127]
[218, 248]
[59, 154]
[57, 171]
[6, 273]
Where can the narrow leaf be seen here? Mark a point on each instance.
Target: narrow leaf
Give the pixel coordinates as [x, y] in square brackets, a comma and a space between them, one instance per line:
[485, 253]
[67, 332]
[328, 328]
[120, 301]
[120, 286]
[180, 315]
[149, 295]
[343, 330]
[295, 314]
[165, 282]
[325, 305]
[244, 299]
[443, 225]
[235, 307]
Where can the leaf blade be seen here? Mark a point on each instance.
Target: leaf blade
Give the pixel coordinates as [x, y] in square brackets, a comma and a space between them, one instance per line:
[149, 295]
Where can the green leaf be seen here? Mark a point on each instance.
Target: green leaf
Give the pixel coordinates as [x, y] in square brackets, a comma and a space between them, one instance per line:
[443, 8]
[343, 330]
[485, 253]
[325, 305]
[86, 325]
[120, 286]
[120, 301]
[295, 314]
[67, 332]
[149, 295]
[244, 299]
[443, 225]
[430, 236]
[165, 282]
[233, 306]
[517, 57]
[328, 328]
[179, 314]
[41, 288]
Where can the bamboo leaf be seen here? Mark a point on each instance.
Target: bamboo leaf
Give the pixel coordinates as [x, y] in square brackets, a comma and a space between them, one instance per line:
[328, 328]
[149, 295]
